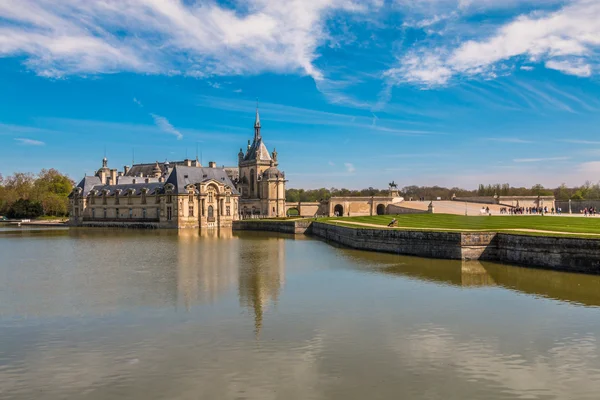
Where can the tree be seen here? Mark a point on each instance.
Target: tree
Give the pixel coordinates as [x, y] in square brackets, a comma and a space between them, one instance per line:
[24, 208]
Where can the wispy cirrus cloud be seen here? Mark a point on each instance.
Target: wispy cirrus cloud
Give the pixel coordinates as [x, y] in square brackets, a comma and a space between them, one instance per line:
[508, 140]
[63, 37]
[30, 142]
[567, 40]
[534, 160]
[166, 126]
[350, 167]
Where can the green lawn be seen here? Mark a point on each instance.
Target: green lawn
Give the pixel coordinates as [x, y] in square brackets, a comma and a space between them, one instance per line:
[482, 223]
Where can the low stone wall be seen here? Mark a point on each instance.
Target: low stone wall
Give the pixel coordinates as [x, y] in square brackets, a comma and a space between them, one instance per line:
[566, 254]
[293, 227]
[394, 209]
[448, 245]
[126, 225]
[561, 253]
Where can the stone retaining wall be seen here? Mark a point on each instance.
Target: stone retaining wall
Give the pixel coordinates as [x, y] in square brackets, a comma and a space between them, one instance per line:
[566, 254]
[127, 225]
[561, 253]
[293, 227]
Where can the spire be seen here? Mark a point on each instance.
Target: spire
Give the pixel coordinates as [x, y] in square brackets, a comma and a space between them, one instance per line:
[257, 124]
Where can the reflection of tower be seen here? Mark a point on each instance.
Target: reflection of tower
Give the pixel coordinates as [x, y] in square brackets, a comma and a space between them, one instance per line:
[261, 275]
[207, 264]
[473, 273]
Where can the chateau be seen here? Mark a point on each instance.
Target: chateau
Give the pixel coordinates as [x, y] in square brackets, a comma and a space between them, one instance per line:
[183, 194]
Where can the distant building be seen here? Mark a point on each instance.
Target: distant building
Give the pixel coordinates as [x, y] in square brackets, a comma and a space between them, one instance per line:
[182, 194]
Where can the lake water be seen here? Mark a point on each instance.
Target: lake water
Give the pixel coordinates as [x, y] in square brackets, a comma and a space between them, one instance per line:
[108, 314]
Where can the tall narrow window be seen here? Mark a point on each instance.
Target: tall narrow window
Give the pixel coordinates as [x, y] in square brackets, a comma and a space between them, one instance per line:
[211, 197]
[92, 199]
[93, 213]
[131, 213]
[117, 213]
[169, 199]
[191, 210]
[211, 212]
[169, 213]
[228, 211]
[143, 197]
[104, 198]
[191, 198]
[116, 197]
[105, 213]
[130, 198]
[228, 198]
[143, 213]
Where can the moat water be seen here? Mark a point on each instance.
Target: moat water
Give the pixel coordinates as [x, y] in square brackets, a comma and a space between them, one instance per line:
[108, 314]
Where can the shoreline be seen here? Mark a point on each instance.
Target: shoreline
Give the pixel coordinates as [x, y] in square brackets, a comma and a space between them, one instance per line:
[570, 254]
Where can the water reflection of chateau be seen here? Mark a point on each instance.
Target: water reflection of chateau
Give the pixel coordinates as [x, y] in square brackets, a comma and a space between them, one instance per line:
[209, 267]
[262, 274]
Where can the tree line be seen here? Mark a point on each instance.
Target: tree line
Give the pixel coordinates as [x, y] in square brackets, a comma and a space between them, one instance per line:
[27, 195]
[588, 191]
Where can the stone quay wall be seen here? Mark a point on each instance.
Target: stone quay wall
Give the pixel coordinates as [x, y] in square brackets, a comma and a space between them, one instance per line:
[559, 253]
[293, 227]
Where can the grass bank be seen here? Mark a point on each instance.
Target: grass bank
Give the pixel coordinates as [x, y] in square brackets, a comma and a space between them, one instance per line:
[448, 222]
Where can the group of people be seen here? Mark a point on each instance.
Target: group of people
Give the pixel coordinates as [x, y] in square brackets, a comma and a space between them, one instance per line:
[529, 210]
[591, 212]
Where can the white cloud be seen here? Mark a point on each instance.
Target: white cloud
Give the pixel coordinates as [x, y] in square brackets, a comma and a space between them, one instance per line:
[532, 160]
[139, 103]
[166, 126]
[567, 40]
[62, 37]
[527, 68]
[30, 142]
[350, 167]
[577, 67]
[331, 163]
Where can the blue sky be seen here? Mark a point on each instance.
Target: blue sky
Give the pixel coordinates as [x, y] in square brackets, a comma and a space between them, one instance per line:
[352, 93]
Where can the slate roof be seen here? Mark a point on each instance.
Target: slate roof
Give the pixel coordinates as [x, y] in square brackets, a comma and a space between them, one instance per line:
[87, 183]
[273, 172]
[148, 169]
[153, 187]
[258, 151]
[180, 177]
[122, 180]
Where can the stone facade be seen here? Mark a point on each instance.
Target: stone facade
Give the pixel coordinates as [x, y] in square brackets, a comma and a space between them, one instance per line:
[184, 195]
[260, 183]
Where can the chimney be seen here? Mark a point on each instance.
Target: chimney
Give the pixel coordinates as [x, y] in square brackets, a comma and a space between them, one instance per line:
[103, 177]
[188, 163]
[120, 173]
[113, 176]
[125, 169]
[161, 179]
[212, 164]
[147, 180]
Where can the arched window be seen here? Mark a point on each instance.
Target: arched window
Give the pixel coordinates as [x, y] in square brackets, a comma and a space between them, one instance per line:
[211, 212]
[251, 182]
[211, 196]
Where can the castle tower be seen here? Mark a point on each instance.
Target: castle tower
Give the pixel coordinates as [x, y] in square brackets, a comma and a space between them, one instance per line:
[261, 184]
